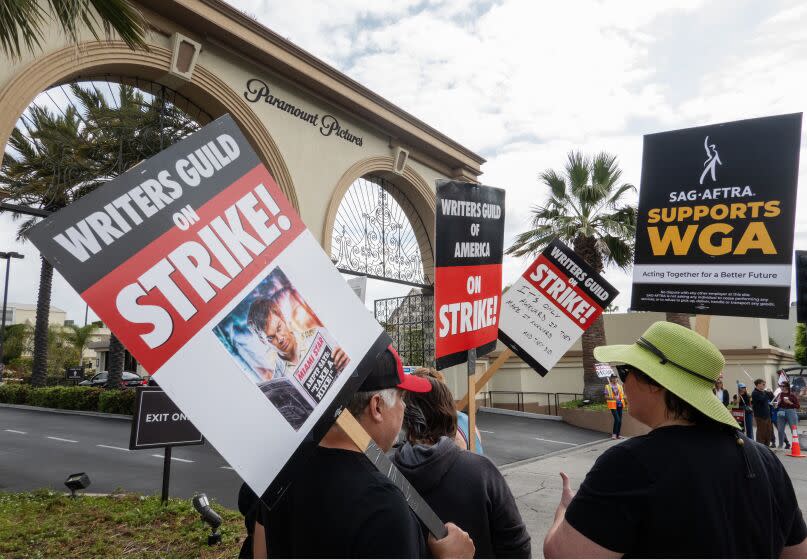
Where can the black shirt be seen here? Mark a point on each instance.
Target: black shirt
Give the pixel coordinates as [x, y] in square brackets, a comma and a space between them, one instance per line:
[760, 404]
[685, 491]
[341, 506]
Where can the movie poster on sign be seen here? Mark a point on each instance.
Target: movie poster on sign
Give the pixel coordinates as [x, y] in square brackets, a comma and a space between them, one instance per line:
[469, 235]
[551, 305]
[202, 268]
[717, 206]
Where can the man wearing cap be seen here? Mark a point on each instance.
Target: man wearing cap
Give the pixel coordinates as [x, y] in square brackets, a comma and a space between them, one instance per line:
[694, 486]
[340, 505]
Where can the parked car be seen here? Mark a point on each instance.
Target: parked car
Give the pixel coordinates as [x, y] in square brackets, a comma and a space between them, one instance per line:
[128, 379]
[798, 385]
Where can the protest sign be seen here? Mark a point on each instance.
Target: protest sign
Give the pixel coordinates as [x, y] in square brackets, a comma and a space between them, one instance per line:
[202, 268]
[717, 204]
[551, 305]
[604, 371]
[469, 234]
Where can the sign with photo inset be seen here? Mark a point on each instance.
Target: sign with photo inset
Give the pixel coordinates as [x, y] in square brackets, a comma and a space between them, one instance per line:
[203, 269]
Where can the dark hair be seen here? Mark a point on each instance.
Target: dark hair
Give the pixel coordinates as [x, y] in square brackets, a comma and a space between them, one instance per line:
[259, 310]
[430, 416]
[758, 381]
[677, 408]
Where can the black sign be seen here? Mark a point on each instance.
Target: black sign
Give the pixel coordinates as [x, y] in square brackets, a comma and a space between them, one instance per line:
[75, 373]
[469, 234]
[716, 212]
[159, 423]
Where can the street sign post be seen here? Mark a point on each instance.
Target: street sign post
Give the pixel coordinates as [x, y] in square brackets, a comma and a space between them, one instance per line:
[158, 422]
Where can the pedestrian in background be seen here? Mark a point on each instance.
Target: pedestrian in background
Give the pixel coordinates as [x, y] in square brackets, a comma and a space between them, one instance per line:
[674, 492]
[762, 412]
[787, 415]
[745, 404]
[615, 399]
[721, 393]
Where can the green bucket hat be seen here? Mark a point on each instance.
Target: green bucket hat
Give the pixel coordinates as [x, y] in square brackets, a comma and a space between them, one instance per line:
[678, 359]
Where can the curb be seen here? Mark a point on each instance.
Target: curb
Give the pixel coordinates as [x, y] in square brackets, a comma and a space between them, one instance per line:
[575, 449]
[63, 411]
[508, 412]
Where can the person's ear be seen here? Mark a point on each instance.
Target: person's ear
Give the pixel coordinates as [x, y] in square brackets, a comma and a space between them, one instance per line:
[375, 408]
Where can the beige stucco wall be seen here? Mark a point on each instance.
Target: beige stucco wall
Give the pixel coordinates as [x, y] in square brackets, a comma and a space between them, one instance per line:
[22, 316]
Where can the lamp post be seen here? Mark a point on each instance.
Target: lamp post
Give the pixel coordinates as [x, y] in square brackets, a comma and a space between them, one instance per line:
[8, 256]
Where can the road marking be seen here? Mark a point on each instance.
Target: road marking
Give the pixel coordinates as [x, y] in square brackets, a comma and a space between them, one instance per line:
[228, 468]
[112, 447]
[62, 439]
[553, 441]
[173, 458]
[16, 432]
[485, 431]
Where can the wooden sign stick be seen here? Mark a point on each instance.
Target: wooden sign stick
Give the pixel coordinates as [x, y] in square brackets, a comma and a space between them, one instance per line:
[702, 325]
[348, 423]
[482, 381]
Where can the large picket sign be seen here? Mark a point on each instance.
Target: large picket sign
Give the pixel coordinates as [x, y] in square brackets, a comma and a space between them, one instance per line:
[551, 305]
[469, 234]
[202, 268]
[717, 207]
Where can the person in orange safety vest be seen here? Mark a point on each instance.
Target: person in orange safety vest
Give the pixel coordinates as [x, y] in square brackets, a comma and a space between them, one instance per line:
[615, 398]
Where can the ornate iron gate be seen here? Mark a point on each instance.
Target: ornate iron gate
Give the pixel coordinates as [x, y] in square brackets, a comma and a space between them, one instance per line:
[409, 320]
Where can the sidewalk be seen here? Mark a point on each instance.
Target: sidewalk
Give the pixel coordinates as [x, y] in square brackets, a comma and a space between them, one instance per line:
[536, 485]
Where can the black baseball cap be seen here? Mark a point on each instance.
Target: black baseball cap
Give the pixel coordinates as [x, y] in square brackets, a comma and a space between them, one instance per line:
[388, 372]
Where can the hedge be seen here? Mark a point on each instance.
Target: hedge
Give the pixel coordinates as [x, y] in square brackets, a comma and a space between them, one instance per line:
[116, 401]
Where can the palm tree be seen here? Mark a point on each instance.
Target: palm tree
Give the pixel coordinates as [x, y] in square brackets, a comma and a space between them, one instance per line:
[23, 22]
[585, 209]
[45, 166]
[79, 337]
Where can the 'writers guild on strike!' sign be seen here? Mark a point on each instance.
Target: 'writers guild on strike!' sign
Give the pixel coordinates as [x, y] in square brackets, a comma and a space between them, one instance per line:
[469, 233]
[202, 268]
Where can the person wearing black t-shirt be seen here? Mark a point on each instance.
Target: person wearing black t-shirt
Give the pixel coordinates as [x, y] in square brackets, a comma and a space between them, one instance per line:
[339, 505]
[694, 486]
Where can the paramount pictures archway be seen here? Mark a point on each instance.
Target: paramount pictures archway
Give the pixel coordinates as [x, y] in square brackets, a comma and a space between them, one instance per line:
[209, 53]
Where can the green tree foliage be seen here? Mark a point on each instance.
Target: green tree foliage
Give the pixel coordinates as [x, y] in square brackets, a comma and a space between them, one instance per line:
[586, 209]
[800, 346]
[23, 23]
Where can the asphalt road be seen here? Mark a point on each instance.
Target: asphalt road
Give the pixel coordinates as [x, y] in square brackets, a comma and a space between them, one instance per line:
[40, 449]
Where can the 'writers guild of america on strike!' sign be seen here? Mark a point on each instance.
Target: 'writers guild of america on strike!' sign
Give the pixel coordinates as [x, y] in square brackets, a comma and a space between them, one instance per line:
[201, 267]
[469, 234]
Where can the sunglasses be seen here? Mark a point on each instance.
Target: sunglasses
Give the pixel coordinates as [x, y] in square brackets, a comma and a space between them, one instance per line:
[622, 372]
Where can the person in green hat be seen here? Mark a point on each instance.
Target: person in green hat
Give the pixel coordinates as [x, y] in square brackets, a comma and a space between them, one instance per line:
[695, 486]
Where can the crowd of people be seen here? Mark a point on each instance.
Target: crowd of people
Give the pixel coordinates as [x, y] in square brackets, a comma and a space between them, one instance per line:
[764, 409]
[637, 500]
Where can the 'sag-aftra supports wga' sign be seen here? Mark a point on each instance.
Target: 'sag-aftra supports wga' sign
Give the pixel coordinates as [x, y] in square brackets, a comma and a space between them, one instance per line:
[328, 125]
[716, 211]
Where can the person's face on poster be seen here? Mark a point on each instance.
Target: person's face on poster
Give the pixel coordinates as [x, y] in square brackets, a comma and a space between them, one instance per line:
[280, 337]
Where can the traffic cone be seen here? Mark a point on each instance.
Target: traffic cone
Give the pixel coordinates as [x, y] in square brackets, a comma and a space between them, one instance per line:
[795, 448]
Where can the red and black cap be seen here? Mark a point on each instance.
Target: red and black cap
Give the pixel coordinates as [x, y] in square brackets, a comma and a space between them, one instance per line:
[388, 372]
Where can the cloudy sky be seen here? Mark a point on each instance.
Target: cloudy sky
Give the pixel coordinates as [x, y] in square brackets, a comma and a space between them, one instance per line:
[523, 82]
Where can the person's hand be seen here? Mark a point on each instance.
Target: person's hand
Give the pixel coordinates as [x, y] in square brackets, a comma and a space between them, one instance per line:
[567, 494]
[456, 544]
[340, 359]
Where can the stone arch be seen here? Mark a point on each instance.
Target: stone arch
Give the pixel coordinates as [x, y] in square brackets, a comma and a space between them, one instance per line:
[410, 183]
[98, 58]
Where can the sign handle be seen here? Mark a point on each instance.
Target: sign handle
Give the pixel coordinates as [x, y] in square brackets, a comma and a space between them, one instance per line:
[494, 367]
[348, 423]
[166, 472]
[472, 401]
